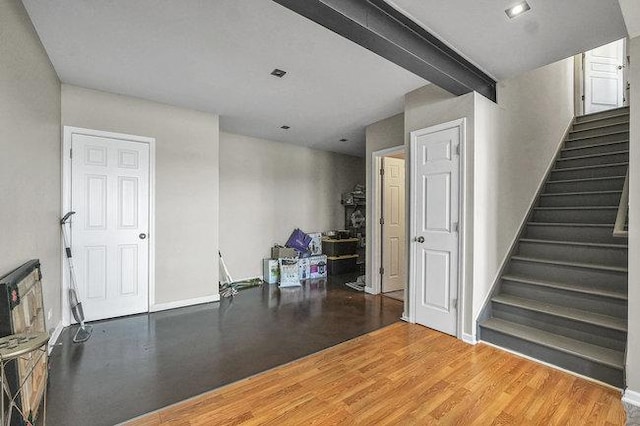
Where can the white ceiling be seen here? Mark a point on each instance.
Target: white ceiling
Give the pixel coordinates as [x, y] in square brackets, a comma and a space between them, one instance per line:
[550, 31]
[216, 56]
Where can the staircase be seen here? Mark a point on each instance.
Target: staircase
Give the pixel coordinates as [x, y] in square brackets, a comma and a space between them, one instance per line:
[562, 296]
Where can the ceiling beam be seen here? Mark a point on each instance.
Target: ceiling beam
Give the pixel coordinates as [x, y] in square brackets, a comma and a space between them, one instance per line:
[377, 26]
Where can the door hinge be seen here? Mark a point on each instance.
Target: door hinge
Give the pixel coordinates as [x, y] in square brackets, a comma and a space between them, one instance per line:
[382, 221]
[71, 153]
[458, 149]
[456, 227]
[381, 270]
[381, 172]
[454, 302]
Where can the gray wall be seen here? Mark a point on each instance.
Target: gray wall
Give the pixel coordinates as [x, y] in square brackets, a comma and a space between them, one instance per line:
[186, 183]
[515, 142]
[269, 188]
[633, 345]
[383, 134]
[30, 147]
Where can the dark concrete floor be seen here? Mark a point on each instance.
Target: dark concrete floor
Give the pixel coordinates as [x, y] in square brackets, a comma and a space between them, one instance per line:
[141, 363]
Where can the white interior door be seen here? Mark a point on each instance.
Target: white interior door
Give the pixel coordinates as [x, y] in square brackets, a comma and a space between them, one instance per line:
[393, 226]
[604, 77]
[435, 197]
[110, 195]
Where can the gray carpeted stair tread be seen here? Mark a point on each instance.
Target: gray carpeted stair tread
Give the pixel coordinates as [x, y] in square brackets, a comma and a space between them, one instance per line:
[586, 179]
[605, 117]
[562, 194]
[563, 312]
[578, 288]
[595, 225]
[581, 138]
[595, 145]
[578, 208]
[594, 353]
[599, 127]
[571, 264]
[621, 110]
[576, 243]
[597, 166]
[582, 157]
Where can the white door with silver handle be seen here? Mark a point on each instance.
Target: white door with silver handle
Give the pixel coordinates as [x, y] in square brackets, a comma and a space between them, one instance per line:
[435, 169]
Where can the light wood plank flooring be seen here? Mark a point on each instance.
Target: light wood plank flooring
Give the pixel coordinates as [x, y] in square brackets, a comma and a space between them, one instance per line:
[403, 374]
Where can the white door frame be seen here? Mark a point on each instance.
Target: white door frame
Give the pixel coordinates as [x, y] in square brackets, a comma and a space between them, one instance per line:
[68, 132]
[461, 123]
[376, 206]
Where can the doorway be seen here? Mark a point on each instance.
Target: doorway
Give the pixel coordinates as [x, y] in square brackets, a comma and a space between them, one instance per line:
[436, 229]
[389, 246]
[604, 77]
[108, 183]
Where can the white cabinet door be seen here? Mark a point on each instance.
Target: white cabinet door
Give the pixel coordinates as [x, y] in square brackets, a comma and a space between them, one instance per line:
[435, 170]
[110, 195]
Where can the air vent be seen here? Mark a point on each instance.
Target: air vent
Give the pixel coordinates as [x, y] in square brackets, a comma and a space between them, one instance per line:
[278, 73]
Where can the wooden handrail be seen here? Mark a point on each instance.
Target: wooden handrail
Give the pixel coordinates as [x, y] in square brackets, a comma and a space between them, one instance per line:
[623, 211]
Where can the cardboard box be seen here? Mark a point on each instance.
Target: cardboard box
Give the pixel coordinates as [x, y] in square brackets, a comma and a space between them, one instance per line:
[303, 268]
[289, 272]
[278, 252]
[315, 246]
[317, 267]
[270, 271]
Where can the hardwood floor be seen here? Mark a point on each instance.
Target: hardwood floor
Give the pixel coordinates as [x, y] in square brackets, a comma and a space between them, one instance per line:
[403, 374]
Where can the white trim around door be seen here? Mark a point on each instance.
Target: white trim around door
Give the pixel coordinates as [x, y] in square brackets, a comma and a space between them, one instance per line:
[461, 270]
[67, 136]
[375, 213]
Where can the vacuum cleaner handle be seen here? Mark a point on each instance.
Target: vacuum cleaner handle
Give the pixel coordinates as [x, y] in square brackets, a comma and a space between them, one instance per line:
[66, 217]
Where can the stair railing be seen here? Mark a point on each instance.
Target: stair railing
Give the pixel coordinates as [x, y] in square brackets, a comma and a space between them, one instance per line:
[623, 211]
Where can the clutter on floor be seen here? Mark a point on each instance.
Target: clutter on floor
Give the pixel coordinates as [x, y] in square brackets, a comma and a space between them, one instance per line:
[359, 284]
[355, 205]
[321, 254]
[228, 287]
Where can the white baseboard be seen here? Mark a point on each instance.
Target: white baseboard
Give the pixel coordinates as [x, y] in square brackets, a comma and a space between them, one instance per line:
[182, 303]
[369, 290]
[469, 338]
[53, 339]
[631, 397]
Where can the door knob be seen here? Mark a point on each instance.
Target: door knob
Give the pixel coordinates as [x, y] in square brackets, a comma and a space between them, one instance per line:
[142, 236]
[419, 239]
[619, 67]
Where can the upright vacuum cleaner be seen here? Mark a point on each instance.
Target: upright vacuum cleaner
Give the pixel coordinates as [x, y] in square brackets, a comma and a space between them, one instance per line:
[84, 331]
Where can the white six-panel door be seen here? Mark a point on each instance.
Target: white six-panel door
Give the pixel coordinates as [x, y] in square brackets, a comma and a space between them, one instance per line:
[393, 228]
[110, 195]
[435, 169]
[604, 77]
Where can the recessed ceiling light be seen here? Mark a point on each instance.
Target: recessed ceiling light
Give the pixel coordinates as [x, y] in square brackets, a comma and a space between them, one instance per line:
[343, 140]
[517, 9]
[285, 127]
[278, 73]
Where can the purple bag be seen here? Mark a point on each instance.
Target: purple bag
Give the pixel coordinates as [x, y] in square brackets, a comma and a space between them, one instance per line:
[299, 241]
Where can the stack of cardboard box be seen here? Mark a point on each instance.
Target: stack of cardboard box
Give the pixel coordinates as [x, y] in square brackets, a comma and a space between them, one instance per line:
[311, 264]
